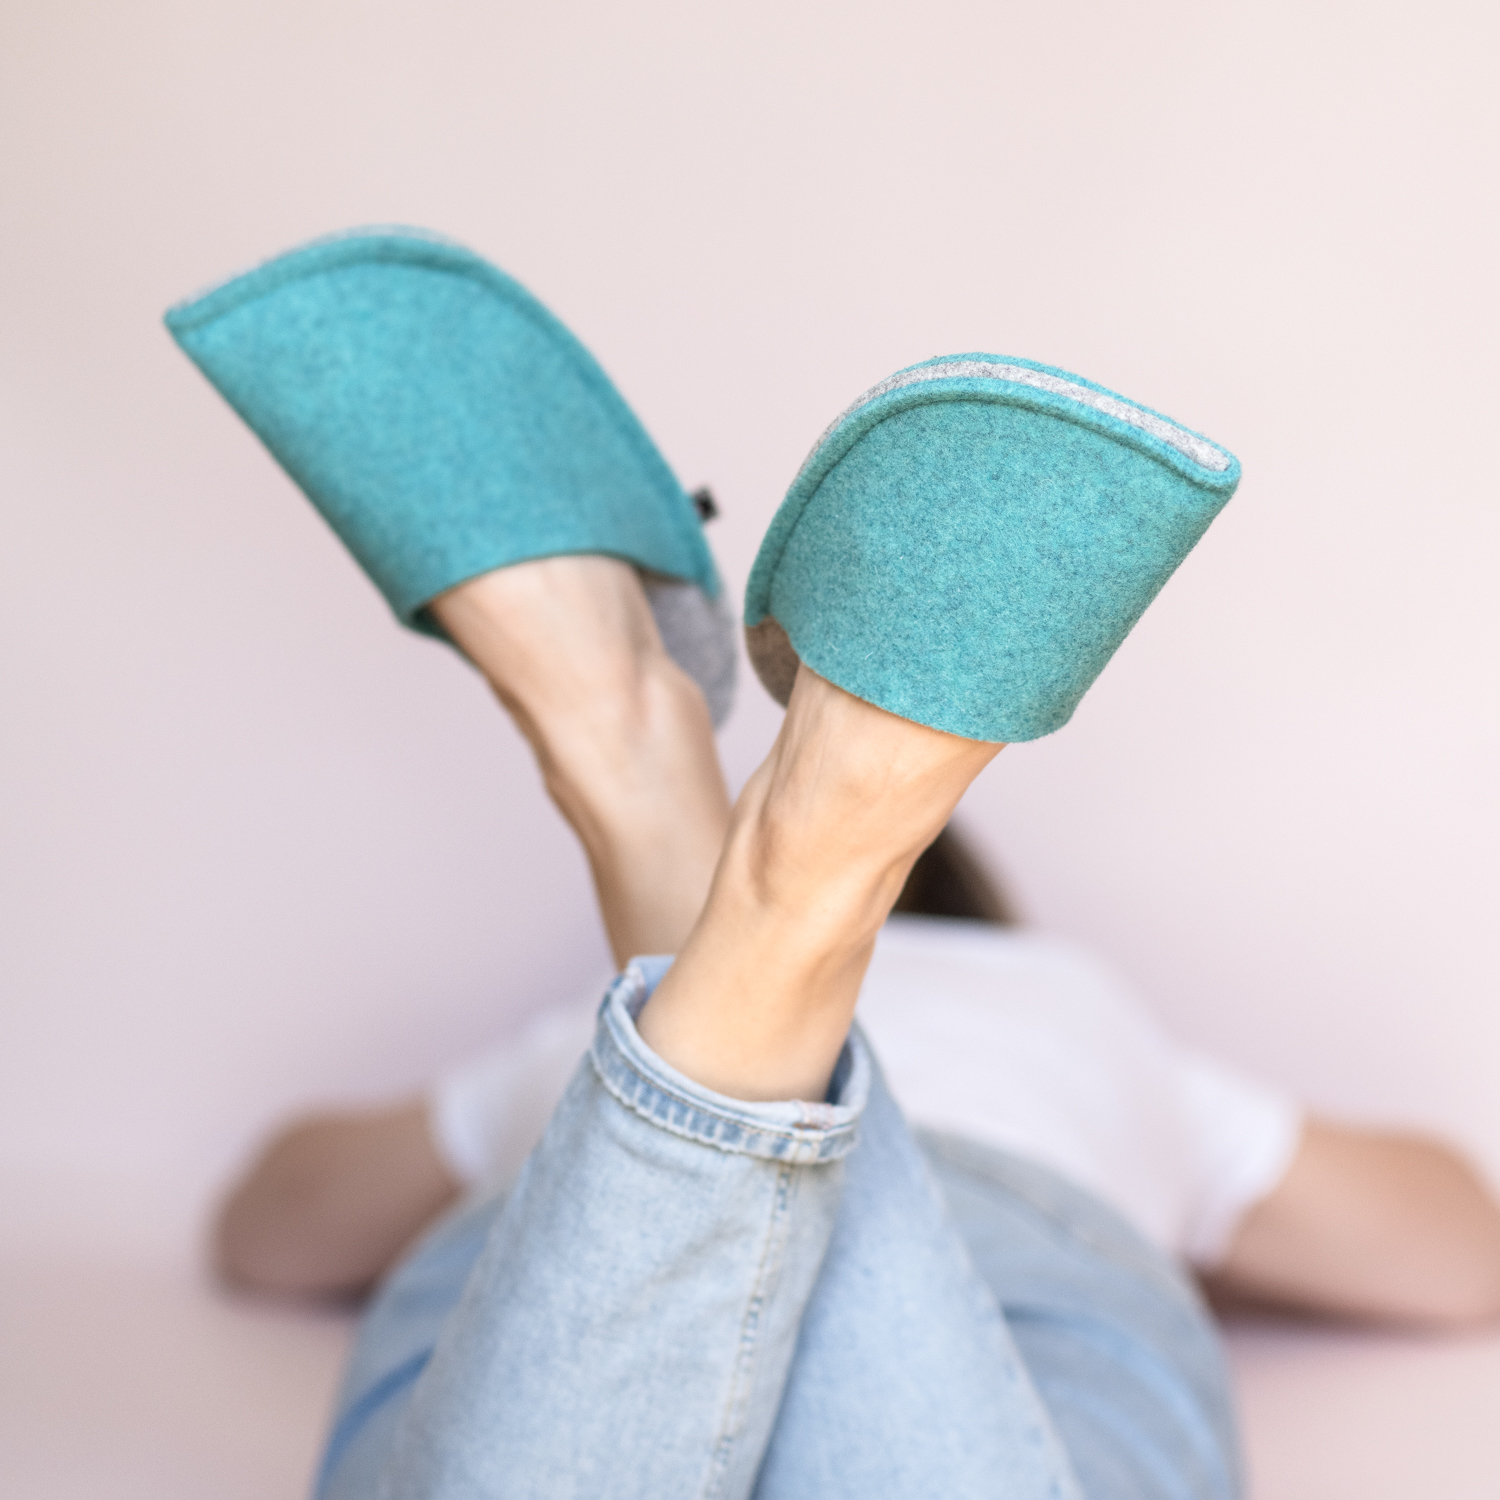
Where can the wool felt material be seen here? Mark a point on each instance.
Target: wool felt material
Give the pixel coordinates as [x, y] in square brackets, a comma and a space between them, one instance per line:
[970, 541]
[445, 424]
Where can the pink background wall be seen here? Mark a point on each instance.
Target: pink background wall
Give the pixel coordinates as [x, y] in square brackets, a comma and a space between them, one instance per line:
[259, 847]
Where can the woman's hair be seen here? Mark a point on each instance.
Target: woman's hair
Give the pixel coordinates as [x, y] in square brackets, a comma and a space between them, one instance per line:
[949, 881]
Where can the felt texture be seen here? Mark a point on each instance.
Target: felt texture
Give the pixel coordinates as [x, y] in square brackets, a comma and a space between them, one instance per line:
[968, 550]
[442, 421]
[699, 634]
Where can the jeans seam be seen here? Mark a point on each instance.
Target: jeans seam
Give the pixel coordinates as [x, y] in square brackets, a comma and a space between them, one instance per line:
[737, 1403]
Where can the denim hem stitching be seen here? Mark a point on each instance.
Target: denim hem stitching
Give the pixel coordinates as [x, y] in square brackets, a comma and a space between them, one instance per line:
[823, 1137]
[691, 1120]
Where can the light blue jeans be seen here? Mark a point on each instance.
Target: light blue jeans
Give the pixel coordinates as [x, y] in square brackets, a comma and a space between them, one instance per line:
[686, 1296]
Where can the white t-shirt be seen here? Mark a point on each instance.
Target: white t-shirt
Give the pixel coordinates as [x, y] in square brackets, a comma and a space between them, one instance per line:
[1008, 1037]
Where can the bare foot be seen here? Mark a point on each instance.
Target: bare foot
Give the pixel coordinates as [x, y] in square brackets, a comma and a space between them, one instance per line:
[620, 731]
[820, 842]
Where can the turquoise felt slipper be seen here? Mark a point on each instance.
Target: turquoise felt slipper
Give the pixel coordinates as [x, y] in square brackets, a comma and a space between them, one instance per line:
[446, 424]
[971, 540]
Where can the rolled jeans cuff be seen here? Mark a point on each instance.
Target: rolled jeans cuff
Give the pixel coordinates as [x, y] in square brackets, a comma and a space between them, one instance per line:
[795, 1132]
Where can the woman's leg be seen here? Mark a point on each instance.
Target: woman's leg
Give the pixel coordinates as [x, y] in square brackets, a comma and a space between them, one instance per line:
[634, 1312]
[1114, 1335]
[625, 746]
[621, 733]
[648, 1275]
[976, 1318]
[907, 1384]
[628, 1324]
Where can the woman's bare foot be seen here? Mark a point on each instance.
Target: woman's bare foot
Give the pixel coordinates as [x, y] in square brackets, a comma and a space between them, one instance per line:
[621, 732]
[819, 845]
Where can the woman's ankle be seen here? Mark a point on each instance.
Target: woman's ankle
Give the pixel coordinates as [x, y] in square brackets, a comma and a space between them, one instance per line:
[820, 842]
[650, 807]
[621, 734]
[564, 642]
[848, 798]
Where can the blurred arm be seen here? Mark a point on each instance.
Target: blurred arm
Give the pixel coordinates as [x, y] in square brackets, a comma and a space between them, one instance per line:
[1382, 1227]
[331, 1201]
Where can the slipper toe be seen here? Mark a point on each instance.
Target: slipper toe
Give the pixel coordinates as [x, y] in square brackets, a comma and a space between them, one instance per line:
[444, 423]
[970, 542]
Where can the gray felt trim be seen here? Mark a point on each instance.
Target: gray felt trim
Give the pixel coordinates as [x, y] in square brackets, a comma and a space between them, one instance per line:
[774, 657]
[698, 633]
[1202, 453]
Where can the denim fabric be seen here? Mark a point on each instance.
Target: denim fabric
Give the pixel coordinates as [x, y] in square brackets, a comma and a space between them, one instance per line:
[688, 1295]
[1114, 1336]
[627, 1326]
[906, 1383]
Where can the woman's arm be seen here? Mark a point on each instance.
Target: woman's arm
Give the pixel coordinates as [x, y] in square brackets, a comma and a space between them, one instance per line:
[331, 1201]
[1382, 1227]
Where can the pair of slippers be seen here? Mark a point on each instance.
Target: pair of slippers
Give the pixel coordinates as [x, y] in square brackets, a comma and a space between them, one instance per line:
[966, 545]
